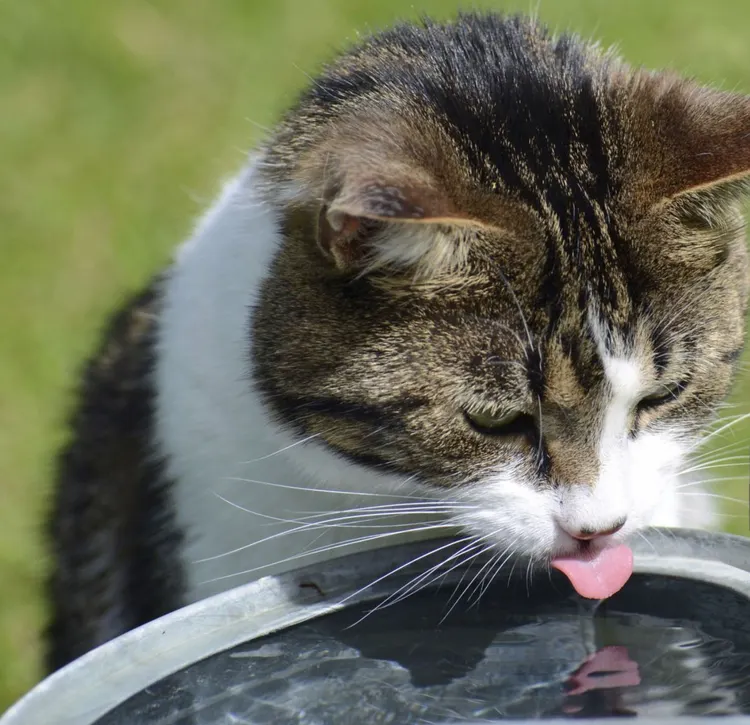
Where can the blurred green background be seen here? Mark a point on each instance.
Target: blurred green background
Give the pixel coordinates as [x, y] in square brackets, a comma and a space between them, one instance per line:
[118, 121]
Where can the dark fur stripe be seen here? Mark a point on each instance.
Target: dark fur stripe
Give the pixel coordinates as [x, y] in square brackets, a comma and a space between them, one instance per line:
[113, 535]
[294, 409]
[662, 351]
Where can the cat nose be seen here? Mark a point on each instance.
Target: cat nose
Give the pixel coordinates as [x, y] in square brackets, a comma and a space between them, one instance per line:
[586, 534]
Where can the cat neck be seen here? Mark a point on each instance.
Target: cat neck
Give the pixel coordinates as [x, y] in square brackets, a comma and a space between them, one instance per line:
[239, 477]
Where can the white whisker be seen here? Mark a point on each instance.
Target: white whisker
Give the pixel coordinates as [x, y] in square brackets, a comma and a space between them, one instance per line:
[323, 490]
[424, 579]
[738, 445]
[280, 450]
[710, 481]
[645, 538]
[717, 496]
[457, 590]
[734, 420]
[305, 526]
[508, 552]
[725, 463]
[401, 567]
[327, 548]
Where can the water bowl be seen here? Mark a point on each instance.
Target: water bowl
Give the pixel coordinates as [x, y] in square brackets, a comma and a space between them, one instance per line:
[365, 639]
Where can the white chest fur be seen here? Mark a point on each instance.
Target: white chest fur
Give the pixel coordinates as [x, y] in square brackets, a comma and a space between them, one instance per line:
[215, 429]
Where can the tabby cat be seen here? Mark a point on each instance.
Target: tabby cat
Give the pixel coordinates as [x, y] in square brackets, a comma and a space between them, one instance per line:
[479, 278]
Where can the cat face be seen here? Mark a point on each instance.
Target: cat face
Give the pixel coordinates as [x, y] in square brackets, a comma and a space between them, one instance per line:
[512, 271]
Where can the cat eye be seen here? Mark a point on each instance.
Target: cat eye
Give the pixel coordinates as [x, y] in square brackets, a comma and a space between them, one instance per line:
[667, 394]
[497, 424]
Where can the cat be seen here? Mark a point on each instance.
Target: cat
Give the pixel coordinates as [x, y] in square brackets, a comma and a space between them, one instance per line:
[479, 279]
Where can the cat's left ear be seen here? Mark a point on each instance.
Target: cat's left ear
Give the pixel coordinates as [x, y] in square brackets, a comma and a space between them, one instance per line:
[704, 140]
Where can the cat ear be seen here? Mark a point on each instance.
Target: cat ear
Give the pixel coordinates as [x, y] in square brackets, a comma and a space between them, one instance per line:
[397, 221]
[705, 140]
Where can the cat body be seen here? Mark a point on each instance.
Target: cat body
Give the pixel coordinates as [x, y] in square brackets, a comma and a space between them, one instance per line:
[479, 279]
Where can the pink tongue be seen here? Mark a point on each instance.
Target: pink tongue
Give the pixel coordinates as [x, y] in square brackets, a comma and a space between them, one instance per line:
[600, 576]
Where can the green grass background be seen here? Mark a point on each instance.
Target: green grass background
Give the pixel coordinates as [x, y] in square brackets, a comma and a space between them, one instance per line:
[119, 119]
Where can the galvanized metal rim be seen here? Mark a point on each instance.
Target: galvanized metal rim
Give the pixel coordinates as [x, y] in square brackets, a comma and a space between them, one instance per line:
[88, 688]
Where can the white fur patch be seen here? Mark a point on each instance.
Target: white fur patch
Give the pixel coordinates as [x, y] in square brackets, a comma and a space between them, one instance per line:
[212, 424]
[513, 515]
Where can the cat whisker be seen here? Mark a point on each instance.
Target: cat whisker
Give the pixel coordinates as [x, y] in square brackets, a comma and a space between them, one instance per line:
[479, 553]
[716, 496]
[257, 125]
[734, 420]
[727, 448]
[399, 509]
[723, 457]
[493, 573]
[409, 509]
[407, 564]
[721, 515]
[488, 537]
[369, 511]
[726, 405]
[507, 328]
[502, 559]
[304, 526]
[643, 536]
[526, 327]
[539, 447]
[487, 575]
[475, 553]
[512, 569]
[486, 568]
[424, 580]
[281, 450]
[688, 296]
[324, 490]
[710, 481]
[330, 547]
[528, 577]
[733, 462]
[457, 592]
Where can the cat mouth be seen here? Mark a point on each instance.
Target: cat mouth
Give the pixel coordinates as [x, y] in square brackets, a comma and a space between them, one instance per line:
[597, 574]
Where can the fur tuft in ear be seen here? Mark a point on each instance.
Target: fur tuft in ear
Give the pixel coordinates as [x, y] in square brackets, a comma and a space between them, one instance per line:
[703, 137]
[402, 225]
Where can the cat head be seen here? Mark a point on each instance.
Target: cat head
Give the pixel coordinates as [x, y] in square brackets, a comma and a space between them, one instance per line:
[512, 269]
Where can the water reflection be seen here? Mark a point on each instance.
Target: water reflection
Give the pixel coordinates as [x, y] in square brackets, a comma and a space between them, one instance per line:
[661, 648]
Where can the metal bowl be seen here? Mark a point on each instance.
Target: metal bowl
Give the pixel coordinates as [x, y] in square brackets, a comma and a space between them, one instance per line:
[369, 638]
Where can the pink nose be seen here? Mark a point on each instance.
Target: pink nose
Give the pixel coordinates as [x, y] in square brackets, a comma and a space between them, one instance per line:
[589, 534]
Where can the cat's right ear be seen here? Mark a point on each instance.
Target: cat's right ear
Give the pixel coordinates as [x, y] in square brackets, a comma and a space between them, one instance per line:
[397, 220]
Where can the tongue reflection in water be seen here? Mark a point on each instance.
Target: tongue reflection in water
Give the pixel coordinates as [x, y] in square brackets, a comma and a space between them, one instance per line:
[609, 669]
[600, 575]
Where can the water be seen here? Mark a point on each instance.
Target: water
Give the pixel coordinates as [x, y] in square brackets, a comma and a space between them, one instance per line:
[662, 647]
